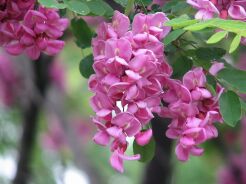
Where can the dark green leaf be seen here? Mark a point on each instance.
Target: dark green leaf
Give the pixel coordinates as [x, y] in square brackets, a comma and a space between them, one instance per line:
[173, 36]
[85, 66]
[181, 66]
[147, 152]
[52, 4]
[82, 32]
[230, 108]
[236, 79]
[210, 53]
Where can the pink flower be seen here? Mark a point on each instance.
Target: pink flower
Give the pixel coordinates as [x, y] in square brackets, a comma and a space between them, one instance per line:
[206, 8]
[143, 138]
[33, 31]
[117, 158]
[193, 110]
[152, 24]
[130, 72]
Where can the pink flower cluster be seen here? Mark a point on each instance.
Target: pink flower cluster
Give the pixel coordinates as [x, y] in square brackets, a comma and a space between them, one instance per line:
[235, 9]
[130, 71]
[193, 110]
[23, 29]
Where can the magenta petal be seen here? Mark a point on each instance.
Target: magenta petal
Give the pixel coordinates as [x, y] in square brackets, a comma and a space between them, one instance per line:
[182, 153]
[143, 138]
[54, 47]
[114, 131]
[133, 157]
[33, 52]
[101, 138]
[14, 48]
[116, 162]
[196, 151]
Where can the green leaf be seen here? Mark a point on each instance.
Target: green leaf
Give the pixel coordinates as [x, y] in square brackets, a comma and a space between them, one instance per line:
[181, 66]
[121, 2]
[52, 4]
[129, 6]
[173, 36]
[217, 37]
[77, 6]
[180, 22]
[210, 53]
[82, 32]
[85, 66]
[230, 108]
[147, 152]
[234, 78]
[235, 43]
[169, 5]
[199, 26]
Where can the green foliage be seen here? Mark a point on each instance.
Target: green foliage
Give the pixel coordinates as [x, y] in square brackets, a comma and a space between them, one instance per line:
[81, 7]
[52, 4]
[233, 26]
[82, 32]
[181, 66]
[180, 22]
[230, 108]
[173, 36]
[217, 37]
[147, 152]
[203, 56]
[233, 79]
[235, 43]
[85, 66]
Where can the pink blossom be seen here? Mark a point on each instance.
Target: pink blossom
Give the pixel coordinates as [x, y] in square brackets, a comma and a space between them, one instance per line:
[24, 29]
[206, 8]
[130, 72]
[193, 110]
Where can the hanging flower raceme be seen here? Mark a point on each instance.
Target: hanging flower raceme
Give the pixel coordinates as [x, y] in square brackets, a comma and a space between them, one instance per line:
[130, 71]
[193, 110]
[32, 31]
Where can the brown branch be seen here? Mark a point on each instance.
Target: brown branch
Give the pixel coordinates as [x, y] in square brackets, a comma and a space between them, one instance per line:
[159, 170]
[30, 120]
[115, 5]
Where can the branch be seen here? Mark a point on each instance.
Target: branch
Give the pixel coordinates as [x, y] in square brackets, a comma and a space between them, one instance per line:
[159, 169]
[30, 120]
[115, 5]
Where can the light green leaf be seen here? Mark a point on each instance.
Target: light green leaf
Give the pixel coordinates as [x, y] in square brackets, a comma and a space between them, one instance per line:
[173, 36]
[230, 108]
[217, 37]
[147, 152]
[235, 43]
[180, 22]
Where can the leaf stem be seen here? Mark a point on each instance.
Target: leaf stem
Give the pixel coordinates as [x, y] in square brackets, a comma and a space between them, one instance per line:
[129, 6]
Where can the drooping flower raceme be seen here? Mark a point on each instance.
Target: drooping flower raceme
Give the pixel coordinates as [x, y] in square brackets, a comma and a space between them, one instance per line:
[23, 29]
[193, 110]
[130, 71]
